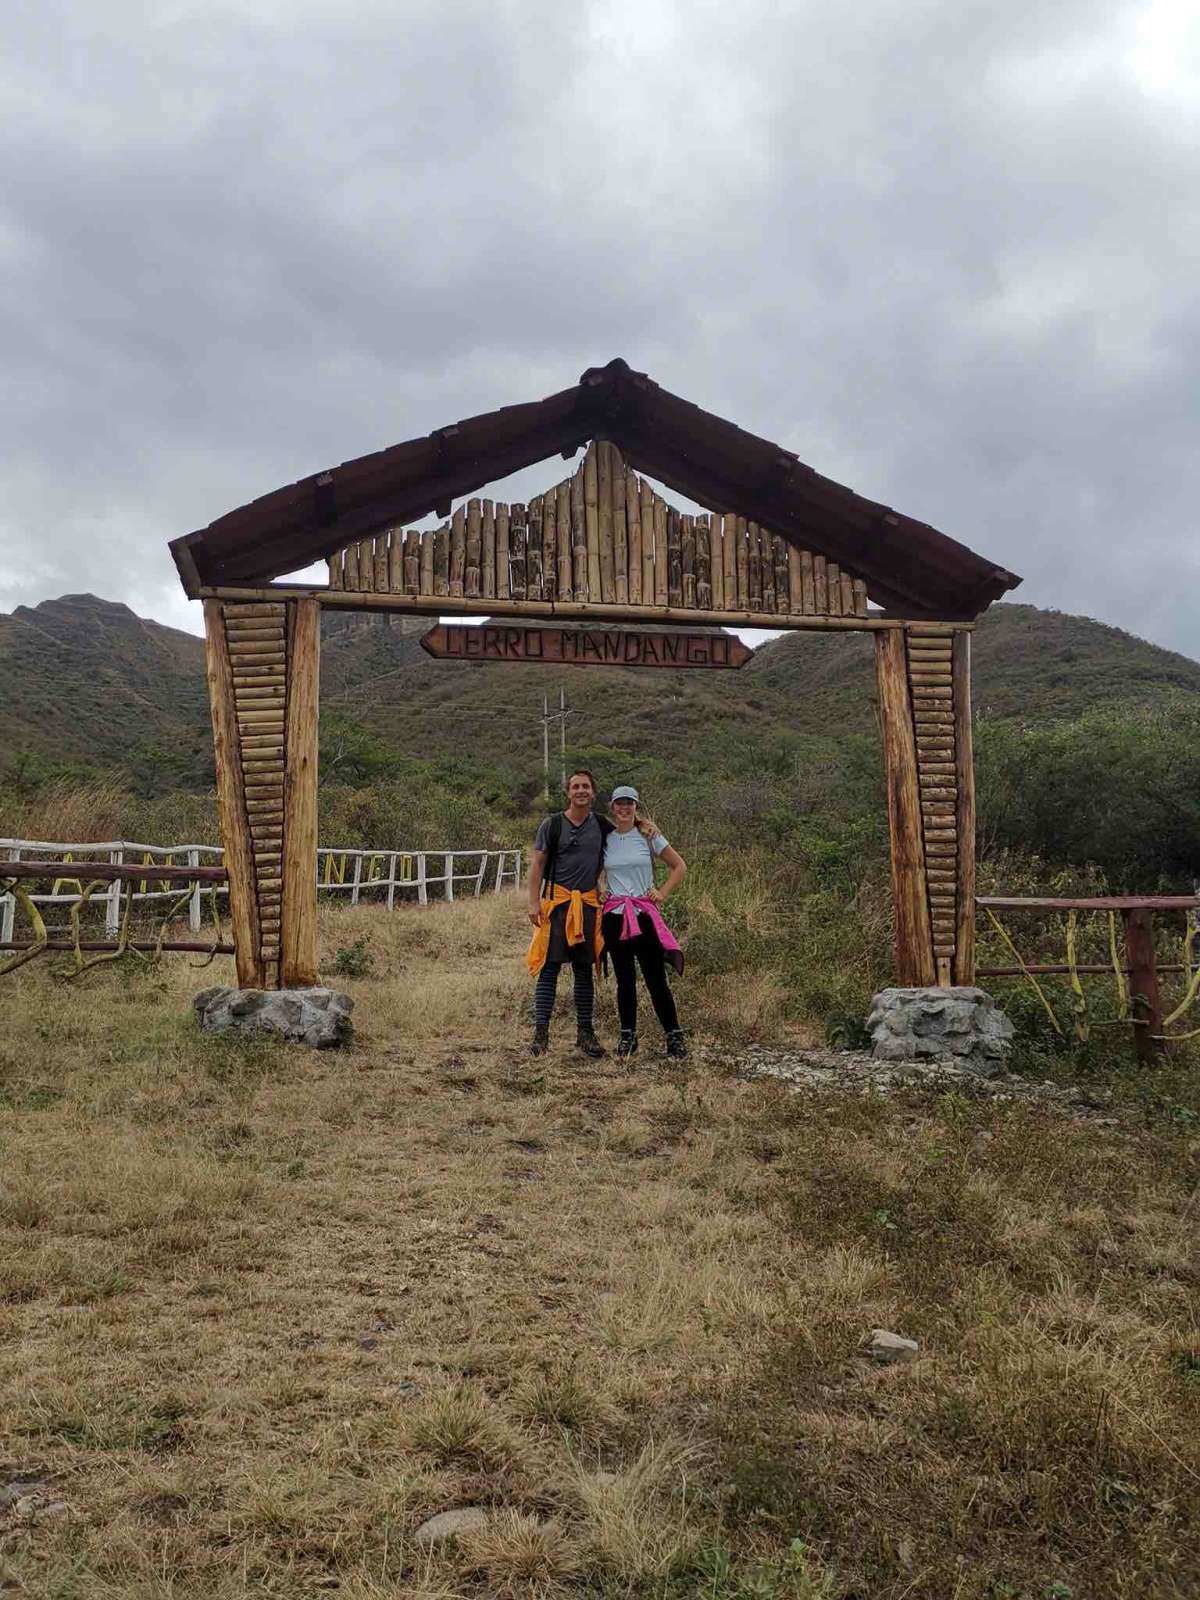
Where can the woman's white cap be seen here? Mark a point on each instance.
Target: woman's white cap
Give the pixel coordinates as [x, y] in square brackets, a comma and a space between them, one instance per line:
[625, 791]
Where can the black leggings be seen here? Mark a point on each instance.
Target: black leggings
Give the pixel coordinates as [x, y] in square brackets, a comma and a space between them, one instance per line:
[648, 954]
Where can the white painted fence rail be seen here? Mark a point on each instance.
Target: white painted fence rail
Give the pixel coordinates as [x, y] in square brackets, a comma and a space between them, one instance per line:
[372, 874]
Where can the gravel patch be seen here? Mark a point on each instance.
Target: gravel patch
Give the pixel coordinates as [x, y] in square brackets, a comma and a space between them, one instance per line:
[855, 1072]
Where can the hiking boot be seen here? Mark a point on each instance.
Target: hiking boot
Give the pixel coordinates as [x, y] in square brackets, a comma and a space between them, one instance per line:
[587, 1042]
[540, 1042]
[627, 1044]
[677, 1045]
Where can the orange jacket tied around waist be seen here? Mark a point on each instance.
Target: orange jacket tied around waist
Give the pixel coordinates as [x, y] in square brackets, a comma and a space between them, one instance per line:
[574, 900]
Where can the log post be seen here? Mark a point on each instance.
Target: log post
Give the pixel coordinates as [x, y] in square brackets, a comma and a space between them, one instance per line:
[591, 514]
[913, 935]
[1145, 999]
[298, 954]
[604, 520]
[964, 942]
[231, 799]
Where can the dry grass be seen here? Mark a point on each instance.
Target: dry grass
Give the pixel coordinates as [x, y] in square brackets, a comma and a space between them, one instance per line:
[262, 1312]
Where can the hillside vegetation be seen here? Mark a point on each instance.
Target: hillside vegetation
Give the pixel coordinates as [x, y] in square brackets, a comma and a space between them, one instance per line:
[1027, 665]
[87, 680]
[1088, 744]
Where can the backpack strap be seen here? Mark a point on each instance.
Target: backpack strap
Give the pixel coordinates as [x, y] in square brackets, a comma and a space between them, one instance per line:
[552, 844]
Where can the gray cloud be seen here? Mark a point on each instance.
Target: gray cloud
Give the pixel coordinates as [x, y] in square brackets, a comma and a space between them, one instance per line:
[945, 253]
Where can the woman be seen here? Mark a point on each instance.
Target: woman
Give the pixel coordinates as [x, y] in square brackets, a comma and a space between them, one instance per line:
[634, 930]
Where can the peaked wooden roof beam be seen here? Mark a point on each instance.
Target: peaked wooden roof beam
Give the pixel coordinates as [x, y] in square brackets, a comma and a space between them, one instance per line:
[698, 454]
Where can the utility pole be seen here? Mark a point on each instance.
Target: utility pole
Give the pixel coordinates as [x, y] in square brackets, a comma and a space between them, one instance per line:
[545, 750]
[562, 732]
[560, 716]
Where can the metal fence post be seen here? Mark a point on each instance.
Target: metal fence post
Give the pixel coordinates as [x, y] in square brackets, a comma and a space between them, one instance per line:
[391, 901]
[449, 874]
[422, 885]
[483, 861]
[357, 879]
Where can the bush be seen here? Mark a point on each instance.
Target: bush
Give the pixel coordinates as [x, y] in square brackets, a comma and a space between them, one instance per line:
[1118, 788]
[354, 960]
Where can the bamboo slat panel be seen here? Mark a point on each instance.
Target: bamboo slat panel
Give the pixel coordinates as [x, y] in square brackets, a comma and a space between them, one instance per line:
[602, 535]
[256, 641]
[929, 659]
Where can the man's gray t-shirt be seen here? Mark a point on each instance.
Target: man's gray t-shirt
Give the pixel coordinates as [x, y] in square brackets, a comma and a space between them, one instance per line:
[578, 859]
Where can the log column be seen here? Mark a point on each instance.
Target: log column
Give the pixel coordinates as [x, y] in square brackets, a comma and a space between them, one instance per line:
[925, 705]
[263, 665]
[964, 757]
[913, 940]
[298, 945]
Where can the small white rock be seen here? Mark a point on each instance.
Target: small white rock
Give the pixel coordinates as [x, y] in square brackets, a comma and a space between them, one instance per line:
[462, 1519]
[888, 1346]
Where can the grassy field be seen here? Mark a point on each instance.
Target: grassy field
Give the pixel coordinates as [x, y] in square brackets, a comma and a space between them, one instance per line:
[262, 1311]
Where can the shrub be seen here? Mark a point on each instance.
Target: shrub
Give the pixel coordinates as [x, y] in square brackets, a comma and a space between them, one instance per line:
[354, 960]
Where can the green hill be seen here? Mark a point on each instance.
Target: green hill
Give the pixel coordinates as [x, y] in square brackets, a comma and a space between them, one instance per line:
[1026, 664]
[87, 680]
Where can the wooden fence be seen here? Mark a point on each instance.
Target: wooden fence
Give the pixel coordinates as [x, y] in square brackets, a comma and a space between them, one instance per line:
[1135, 968]
[381, 874]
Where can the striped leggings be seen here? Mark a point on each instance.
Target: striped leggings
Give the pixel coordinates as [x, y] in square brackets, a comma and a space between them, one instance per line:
[547, 985]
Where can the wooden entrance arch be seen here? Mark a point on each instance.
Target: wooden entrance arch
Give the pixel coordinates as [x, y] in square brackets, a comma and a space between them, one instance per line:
[781, 547]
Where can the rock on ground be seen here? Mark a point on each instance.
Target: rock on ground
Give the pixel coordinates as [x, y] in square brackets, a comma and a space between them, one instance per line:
[316, 1017]
[888, 1346]
[29, 1498]
[963, 1022]
[463, 1519]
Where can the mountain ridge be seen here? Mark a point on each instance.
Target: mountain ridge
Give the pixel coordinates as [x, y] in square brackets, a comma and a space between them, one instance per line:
[88, 680]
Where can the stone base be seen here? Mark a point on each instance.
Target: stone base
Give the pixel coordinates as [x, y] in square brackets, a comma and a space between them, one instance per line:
[316, 1017]
[965, 1024]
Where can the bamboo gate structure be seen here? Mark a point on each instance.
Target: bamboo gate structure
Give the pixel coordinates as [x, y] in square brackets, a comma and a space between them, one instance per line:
[780, 547]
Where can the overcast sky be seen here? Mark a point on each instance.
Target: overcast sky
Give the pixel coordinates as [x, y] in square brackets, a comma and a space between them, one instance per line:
[947, 252]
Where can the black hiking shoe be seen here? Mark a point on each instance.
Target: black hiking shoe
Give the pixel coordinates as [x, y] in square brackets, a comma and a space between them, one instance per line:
[677, 1045]
[587, 1042]
[627, 1044]
[540, 1042]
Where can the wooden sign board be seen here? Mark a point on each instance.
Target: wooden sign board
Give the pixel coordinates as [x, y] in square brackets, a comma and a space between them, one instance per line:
[584, 647]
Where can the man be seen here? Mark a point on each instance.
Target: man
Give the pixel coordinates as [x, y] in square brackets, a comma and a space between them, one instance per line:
[564, 909]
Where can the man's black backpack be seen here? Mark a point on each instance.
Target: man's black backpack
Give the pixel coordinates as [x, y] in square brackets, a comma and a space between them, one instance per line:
[555, 836]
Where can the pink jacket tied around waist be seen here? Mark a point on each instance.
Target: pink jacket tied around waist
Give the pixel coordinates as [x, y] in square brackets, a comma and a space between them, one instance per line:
[629, 906]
